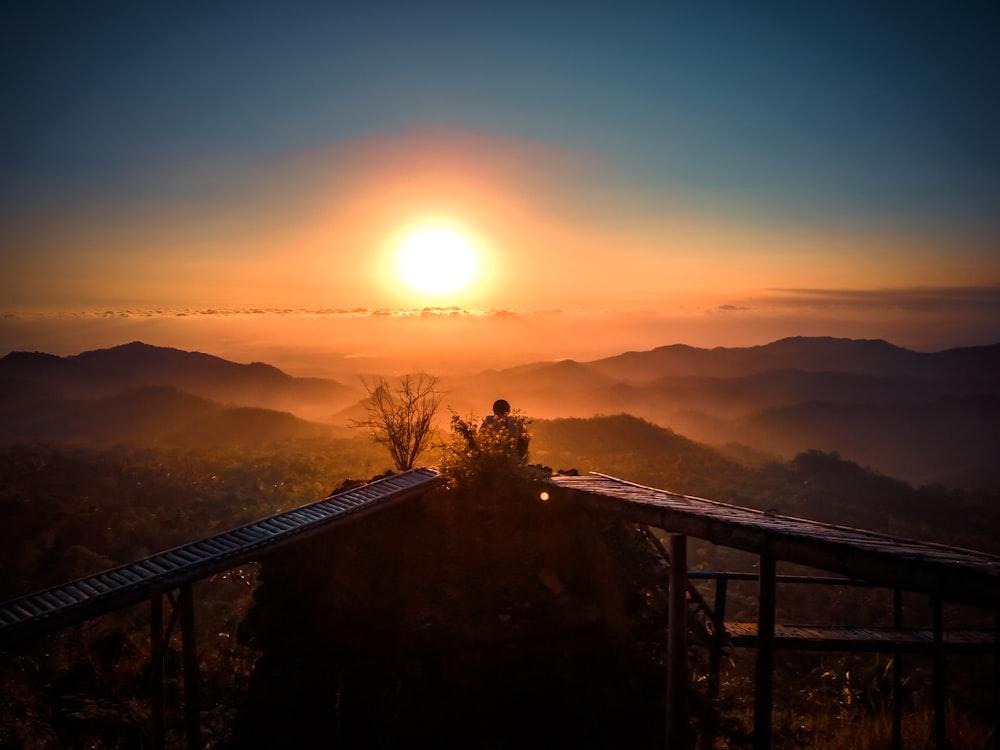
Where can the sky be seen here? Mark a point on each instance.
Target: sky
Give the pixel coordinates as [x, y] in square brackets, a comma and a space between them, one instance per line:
[237, 178]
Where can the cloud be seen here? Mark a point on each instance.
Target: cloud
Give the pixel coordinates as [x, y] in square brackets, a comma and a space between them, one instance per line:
[250, 313]
[922, 300]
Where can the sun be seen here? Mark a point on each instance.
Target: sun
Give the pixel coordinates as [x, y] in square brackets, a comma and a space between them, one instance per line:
[437, 260]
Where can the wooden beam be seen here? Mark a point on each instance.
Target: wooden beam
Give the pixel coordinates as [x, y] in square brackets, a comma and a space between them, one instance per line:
[157, 688]
[996, 682]
[192, 688]
[940, 733]
[677, 671]
[764, 669]
[897, 674]
[718, 634]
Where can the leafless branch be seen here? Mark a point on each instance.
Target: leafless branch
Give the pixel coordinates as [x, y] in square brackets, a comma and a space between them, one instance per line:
[401, 418]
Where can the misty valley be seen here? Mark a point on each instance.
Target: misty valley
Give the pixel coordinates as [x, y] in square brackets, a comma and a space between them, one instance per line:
[111, 455]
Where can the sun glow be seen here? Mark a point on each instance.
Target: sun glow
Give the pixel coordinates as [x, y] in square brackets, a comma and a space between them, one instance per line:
[437, 260]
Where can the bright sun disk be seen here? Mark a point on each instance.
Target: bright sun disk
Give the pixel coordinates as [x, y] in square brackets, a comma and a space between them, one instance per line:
[437, 260]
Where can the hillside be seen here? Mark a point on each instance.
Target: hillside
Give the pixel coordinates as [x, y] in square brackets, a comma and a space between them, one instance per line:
[108, 371]
[923, 417]
[462, 615]
[901, 412]
[823, 486]
[149, 416]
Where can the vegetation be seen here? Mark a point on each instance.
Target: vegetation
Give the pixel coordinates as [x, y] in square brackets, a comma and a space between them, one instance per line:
[473, 455]
[401, 418]
[68, 511]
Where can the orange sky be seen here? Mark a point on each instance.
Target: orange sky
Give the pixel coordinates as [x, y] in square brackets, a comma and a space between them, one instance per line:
[632, 177]
[558, 230]
[625, 265]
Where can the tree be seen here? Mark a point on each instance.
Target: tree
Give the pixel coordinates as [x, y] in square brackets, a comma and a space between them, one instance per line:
[401, 419]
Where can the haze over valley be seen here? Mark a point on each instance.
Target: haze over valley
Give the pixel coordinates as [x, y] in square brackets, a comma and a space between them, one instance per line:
[921, 417]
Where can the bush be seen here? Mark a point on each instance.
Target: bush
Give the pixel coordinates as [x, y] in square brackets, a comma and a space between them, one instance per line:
[474, 456]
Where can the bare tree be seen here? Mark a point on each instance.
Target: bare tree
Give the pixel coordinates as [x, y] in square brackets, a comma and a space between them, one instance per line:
[401, 418]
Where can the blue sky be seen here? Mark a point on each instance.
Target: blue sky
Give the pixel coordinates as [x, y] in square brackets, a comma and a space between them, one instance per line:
[882, 111]
[860, 120]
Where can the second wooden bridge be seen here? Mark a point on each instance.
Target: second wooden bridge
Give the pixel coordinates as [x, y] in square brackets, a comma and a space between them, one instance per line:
[946, 574]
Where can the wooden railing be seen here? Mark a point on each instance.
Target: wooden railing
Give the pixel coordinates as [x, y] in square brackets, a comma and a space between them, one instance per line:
[169, 575]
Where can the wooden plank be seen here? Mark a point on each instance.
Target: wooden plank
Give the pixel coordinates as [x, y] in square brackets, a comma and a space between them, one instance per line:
[46, 611]
[950, 573]
[848, 638]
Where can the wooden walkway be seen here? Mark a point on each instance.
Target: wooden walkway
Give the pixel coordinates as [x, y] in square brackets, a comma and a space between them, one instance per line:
[46, 611]
[945, 574]
[948, 573]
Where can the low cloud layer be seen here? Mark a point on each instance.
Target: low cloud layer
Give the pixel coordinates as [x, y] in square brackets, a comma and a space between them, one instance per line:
[342, 342]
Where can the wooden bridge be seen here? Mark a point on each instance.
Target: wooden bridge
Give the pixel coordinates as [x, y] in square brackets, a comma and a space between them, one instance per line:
[945, 574]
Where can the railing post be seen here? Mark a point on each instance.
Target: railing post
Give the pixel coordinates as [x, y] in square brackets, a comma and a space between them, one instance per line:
[764, 670]
[677, 672]
[996, 682]
[157, 688]
[192, 689]
[897, 674]
[940, 735]
[719, 628]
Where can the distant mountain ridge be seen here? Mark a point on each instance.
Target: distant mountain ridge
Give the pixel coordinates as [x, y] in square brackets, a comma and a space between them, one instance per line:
[810, 354]
[135, 393]
[785, 397]
[923, 417]
[104, 372]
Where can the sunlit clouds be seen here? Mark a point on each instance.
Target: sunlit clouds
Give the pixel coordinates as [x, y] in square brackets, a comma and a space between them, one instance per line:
[341, 342]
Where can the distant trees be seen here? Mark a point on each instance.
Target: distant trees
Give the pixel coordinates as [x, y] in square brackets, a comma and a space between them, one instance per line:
[402, 417]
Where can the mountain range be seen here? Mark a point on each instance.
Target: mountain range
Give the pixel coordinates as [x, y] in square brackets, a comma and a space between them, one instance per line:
[921, 417]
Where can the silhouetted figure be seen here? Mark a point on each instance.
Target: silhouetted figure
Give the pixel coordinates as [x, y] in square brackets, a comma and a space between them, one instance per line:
[502, 419]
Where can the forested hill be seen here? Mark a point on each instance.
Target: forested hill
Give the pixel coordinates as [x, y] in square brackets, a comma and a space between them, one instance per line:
[923, 417]
[105, 372]
[817, 485]
[926, 418]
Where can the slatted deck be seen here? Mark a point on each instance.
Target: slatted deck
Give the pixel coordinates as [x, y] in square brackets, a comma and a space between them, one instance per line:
[849, 638]
[46, 611]
[949, 573]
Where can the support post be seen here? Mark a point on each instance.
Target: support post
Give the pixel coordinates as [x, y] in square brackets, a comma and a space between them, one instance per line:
[764, 670]
[192, 688]
[897, 674]
[996, 682]
[719, 628]
[940, 735]
[677, 672]
[157, 688]
[715, 657]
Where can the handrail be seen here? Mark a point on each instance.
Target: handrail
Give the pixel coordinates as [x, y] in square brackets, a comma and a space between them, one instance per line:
[33, 615]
